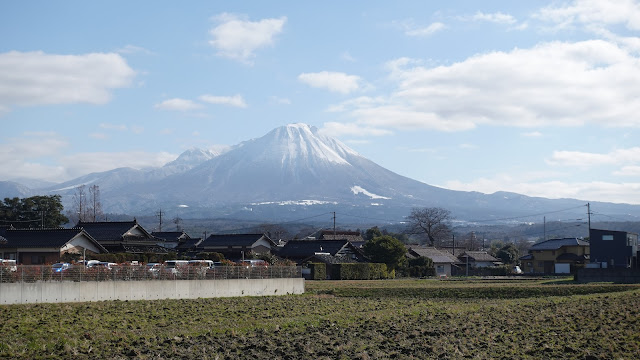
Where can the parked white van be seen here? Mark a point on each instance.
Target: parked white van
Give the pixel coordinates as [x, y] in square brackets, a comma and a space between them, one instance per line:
[172, 266]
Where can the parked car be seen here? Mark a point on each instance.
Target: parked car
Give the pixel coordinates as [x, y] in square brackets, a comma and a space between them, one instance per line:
[105, 265]
[60, 267]
[91, 263]
[203, 263]
[173, 266]
[10, 264]
[154, 267]
[254, 263]
[517, 270]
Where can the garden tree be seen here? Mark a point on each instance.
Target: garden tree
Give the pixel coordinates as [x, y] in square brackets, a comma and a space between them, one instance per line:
[421, 267]
[214, 256]
[386, 249]
[508, 253]
[371, 233]
[33, 212]
[433, 223]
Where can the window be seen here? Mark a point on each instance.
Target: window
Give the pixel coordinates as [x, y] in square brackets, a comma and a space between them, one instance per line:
[440, 269]
[37, 259]
[607, 237]
[540, 263]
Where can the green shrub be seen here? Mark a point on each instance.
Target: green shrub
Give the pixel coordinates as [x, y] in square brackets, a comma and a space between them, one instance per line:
[318, 271]
[421, 267]
[361, 271]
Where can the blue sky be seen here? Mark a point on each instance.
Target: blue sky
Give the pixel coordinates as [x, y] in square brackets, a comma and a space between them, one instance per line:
[539, 98]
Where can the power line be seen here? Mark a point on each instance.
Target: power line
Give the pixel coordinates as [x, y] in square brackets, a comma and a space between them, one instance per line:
[370, 218]
[528, 216]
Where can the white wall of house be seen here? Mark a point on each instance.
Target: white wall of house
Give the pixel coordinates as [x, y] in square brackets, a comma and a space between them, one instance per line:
[78, 244]
[442, 269]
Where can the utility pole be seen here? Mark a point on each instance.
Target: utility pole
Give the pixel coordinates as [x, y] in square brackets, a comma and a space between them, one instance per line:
[334, 225]
[544, 219]
[159, 215]
[589, 216]
[453, 237]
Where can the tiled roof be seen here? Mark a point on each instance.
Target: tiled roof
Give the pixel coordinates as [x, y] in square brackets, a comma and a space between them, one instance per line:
[234, 240]
[40, 238]
[478, 256]
[555, 244]
[353, 236]
[107, 230]
[189, 244]
[305, 248]
[435, 255]
[171, 235]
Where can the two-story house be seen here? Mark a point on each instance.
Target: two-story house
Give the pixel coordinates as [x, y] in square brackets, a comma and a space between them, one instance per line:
[556, 256]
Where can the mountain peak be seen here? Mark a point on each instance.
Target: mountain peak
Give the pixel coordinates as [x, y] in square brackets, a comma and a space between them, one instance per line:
[300, 143]
[193, 156]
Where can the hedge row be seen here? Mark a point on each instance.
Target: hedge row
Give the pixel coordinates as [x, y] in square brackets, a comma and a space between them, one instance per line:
[318, 271]
[361, 271]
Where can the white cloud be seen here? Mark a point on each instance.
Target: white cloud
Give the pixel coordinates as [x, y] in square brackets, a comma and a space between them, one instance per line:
[631, 170]
[85, 163]
[592, 13]
[177, 104]
[584, 159]
[279, 100]
[99, 136]
[338, 129]
[238, 39]
[21, 155]
[588, 191]
[347, 57]
[332, 81]
[552, 84]
[498, 18]
[132, 49]
[425, 31]
[120, 127]
[36, 78]
[235, 100]
[532, 134]
[468, 146]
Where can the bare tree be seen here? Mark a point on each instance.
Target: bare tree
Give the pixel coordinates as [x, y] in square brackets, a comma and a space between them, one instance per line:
[95, 206]
[433, 223]
[80, 209]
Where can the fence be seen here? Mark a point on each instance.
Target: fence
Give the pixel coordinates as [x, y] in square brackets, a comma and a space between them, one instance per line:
[34, 273]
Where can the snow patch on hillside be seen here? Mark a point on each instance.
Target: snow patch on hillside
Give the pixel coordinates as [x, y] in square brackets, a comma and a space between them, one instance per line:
[359, 190]
[297, 202]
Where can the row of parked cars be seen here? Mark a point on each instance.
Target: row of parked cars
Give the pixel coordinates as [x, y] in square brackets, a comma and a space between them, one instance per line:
[169, 265]
[173, 265]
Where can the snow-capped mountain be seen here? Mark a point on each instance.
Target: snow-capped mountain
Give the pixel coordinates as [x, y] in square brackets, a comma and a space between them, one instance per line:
[290, 163]
[292, 172]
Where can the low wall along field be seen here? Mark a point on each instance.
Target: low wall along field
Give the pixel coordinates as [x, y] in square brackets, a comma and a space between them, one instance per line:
[70, 291]
[27, 284]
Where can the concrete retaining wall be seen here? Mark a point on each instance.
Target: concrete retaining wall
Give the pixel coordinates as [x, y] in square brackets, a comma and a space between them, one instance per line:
[626, 276]
[70, 291]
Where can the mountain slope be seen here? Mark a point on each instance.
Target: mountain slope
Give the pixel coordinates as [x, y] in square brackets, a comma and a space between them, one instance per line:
[295, 171]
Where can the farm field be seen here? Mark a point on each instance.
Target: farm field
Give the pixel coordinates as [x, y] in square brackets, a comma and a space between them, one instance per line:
[400, 319]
